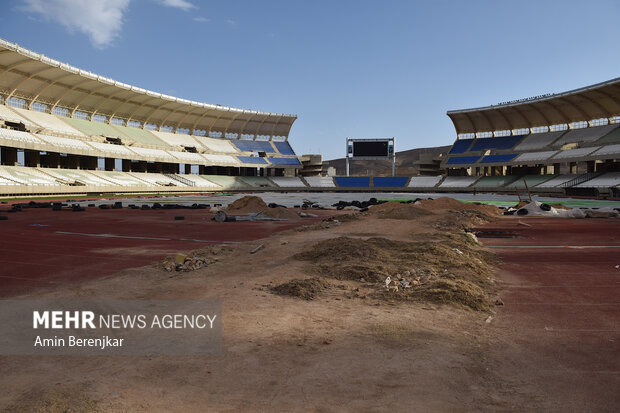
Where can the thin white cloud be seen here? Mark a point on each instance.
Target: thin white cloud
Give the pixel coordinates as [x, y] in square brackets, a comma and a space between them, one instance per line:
[100, 20]
[201, 19]
[179, 4]
[231, 22]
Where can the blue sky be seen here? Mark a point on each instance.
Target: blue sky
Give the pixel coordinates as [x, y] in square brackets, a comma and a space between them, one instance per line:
[346, 68]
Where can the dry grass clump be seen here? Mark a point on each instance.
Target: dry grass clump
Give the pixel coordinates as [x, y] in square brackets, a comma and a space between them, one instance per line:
[448, 268]
[308, 289]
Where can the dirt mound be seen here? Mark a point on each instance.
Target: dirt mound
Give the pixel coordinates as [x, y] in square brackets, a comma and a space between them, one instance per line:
[399, 210]
[253, 204]
[280, 212]
[308, 289]
[247, 205]
[446, 203]
[447, 268]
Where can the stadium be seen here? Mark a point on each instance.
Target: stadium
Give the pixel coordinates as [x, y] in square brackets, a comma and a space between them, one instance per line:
[478, 276]
[69, 131]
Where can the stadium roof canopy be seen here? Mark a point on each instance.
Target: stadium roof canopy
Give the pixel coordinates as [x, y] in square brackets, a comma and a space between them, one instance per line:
[597, 101]
[37, 78]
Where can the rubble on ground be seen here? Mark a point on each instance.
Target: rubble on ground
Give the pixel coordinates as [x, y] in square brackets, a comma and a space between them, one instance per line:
[308, 288]
[446, 268]
[253, 204]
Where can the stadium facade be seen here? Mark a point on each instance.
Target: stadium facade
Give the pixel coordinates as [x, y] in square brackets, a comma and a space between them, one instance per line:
[66, 130]
[567, 142]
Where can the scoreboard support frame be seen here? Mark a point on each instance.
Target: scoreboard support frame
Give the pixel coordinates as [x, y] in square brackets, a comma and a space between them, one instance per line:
[350, 156]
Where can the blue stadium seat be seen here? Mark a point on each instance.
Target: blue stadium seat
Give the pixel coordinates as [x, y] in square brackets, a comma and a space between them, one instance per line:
[499, 158]
[504, 142]
[284, 148]
[284, 161]
[352, 181]
[252, 159]
[253, 146]
[459, 160]
[461, 146]
[390, 181]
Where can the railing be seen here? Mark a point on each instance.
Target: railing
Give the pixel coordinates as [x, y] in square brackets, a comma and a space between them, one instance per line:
[181, 179]
[581, 179]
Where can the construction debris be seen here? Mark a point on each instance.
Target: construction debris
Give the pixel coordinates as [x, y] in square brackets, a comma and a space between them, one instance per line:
[182, 262]
[255, 250]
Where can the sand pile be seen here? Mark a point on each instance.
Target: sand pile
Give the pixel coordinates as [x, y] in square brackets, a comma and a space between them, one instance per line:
[399, 210]
[445, 203]
[246, 205]
[252, 204]
[447, 268]
[307, 289]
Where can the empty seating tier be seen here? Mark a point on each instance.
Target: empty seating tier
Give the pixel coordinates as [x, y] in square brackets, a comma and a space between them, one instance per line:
[27, 176]
[113, 149]
[612, 137]
[188, 157]
[152, 153]
[50, 122]
[6, 113]
[424, 181]
[461, 146]
[224, 160]
[535, 156]
[458, 181]
[284, 161]
[284, 148]
[216, 145]
[227, 182]
[254, 146]
[530, 180]
[252, 160]
[556, 182]
[320, 181]
[352, 181]
[288, 182]
[257, 181]
[95, 128]
[574, 153]
[607, 180]
[504, 142]
[498, 158]
[72, 175]
[199, 180]
[176, 139]
[462, 160]
[19, 136]
[390, 181]
[65, 142]
[120, 178]
[609, 150]
[538, 140]
[140, 135]
[584, 135]
[494, 182]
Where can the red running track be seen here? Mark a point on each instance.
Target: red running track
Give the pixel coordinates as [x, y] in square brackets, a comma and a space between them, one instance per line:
[560, 323]
[44, 248]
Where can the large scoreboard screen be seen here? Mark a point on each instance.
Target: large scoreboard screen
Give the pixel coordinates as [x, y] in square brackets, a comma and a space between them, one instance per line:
[370, 148]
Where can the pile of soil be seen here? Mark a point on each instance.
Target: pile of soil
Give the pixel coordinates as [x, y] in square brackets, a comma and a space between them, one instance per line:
[461, 220]
[247, 205]
[399, 210]
[252, 204]
[308, 289]
[445, 203]
[448, 268]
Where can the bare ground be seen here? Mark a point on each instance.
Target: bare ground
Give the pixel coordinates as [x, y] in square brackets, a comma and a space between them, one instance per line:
[346, 349]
